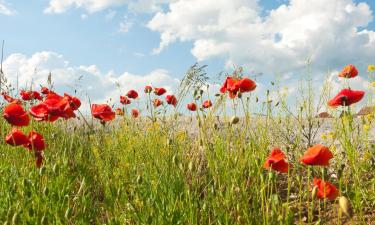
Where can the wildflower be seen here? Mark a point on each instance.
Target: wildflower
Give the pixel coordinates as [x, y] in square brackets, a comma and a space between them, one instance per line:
[135, 113]
[325, 189]
[231, 86]
[36, 142]
[371, 68]
[159, 91]
[157, 102]
[74, 102]
[102, 112]
[16, 115]
[46, 91]
[318, 155]
[148, 89]
[246, 85]
[349, 71]
[16, 137]
[132, 94]
[30, 95]
[372, 84]
[11, 99]
[207, 104]
[324, 136]
[366, 127]
[346, 97]
[40, 113]
[171, 100]
[124, 100]
[192, 106]
[119, 112]
[276, 161]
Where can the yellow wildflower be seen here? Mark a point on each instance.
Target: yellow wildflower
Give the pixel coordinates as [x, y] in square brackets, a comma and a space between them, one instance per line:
[366, 127]
[371, 68]
[372, 84]
[324, 136]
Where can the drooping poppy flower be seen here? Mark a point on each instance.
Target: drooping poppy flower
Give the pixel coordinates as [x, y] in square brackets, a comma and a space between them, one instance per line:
[61, 106]
[36, 142]
[46, 91]
[157, 103]
[349, 71]
[119, 112]
[11, 99]
[325, 189]
[171, 100]
[246, 85]
[16, 138]
[148, 89]
[16, 115]
[346, 97]
[102, 112]
[135, 113]
[74, 102]
[207, 104]
[132, 94]
[276, 161]
[318, 155]
[230, 85]
[192, 106]
[124, 100]
[30, 95]
[159, 91]
[38, 159]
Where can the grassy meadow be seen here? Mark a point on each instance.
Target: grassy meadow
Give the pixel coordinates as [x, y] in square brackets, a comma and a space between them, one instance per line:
[204, 167]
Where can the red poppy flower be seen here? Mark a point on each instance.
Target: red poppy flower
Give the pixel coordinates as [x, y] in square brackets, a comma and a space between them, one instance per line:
[135, 113]
[346, 97]
[318, 155]
[11, 99]
[102, 112]
[124, 100]
[16, 138]
[230, 85]
[192, 106]
[40, 113]
[119, 112]
[61, 106]
[30, 95]
[74, 102]
[159, 91]
[148, 89]
[246, 85]
[276, 161]
[132, 94]
[207, 104]
[46, 91]
[16, 115]
[325, 189]
[38, 159]
[349, 71]
[157, 103]
[171, 100]
[36, 142]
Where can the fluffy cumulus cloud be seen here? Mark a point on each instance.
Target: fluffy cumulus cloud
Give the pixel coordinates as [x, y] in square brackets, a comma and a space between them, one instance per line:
[84, 81]
[5, 10]
[329, 33]
[60, 6]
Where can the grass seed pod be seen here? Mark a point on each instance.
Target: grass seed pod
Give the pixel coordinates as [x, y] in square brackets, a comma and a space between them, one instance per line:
[234, 120]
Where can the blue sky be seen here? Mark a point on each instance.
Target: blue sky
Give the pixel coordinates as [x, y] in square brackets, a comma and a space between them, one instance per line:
[84, 34]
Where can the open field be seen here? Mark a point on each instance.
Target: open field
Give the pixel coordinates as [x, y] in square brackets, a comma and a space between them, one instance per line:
[209, 166]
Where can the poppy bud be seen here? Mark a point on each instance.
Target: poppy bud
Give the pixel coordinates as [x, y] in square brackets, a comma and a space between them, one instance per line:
[234, 120]
[239, 95]
[345, 206]
[314, 192]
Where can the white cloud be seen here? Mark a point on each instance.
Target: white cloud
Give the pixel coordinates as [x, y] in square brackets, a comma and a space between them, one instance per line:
[5, 10]
[330, 33]
[125, 25]
[60, 6]
[85, 80]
